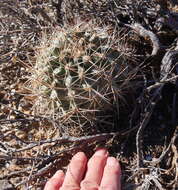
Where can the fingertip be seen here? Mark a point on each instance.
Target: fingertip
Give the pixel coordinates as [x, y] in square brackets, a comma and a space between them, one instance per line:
[111, 175]
[114, 165]
[95, 169]
[58, 174]
[101, 152]
[55, 182]
[80, 156]
[75, 171]
[111, 161]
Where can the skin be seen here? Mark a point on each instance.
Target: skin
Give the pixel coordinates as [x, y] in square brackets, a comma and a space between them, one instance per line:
[100, 172]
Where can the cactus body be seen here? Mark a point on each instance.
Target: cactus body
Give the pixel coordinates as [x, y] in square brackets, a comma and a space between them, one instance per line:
[78, 73]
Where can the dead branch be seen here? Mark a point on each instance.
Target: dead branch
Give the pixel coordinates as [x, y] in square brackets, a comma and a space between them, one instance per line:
[152, 177]
[139, 137]
[69, 139]
[165, 152]
[169, 62]
[15, 173]
[138, 28]
[161, 82]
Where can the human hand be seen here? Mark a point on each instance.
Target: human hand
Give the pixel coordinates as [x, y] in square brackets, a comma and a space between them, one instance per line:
[99, 173]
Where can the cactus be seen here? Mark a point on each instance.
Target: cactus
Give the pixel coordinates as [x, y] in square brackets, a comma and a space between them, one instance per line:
[79, 72]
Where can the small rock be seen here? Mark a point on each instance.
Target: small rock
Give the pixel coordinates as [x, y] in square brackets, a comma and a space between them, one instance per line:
[5, 185]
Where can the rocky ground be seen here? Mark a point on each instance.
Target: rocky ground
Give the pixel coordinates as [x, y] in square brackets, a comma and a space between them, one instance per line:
[142, 133]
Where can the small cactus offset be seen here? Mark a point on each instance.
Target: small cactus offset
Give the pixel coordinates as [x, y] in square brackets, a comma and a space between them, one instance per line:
[79, 72]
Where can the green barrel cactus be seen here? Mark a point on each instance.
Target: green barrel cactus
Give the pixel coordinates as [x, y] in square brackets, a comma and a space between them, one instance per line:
[79, 72]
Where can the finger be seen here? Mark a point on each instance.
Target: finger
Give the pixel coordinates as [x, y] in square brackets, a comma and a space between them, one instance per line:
[56, 181]
[75, 172]
[95, 169]
[111, 175]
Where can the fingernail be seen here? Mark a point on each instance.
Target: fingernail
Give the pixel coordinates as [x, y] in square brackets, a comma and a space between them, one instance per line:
[58, 173]
[111, 161]
[101, 152]
[79, 156]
